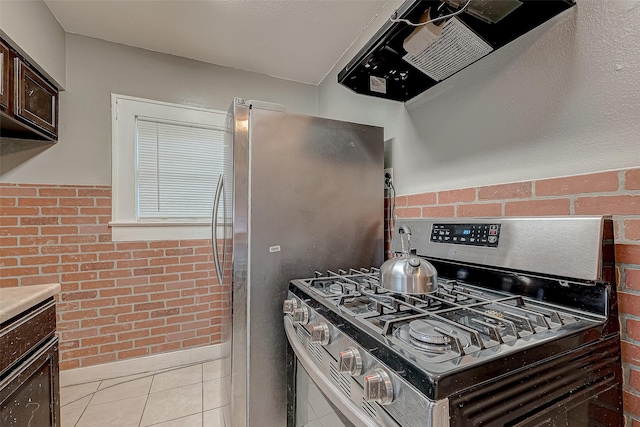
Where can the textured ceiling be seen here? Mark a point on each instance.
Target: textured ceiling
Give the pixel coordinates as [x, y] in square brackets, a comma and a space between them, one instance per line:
[298, 40]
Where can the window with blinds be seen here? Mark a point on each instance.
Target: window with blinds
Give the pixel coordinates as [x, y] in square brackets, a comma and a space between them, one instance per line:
[178, 166]
[166, 162]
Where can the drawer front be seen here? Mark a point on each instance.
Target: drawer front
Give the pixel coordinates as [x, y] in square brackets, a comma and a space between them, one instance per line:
[18, 337]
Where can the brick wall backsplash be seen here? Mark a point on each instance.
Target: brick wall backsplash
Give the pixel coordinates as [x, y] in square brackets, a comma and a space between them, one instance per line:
[615, 193]
[119, 299]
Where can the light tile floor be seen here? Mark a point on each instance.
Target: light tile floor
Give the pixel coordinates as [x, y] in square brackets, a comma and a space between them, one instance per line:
[187, 396]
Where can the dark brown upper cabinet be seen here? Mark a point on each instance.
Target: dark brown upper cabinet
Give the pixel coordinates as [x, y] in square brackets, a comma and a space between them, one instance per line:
[5, 72]
[36, 100]
[28, 102]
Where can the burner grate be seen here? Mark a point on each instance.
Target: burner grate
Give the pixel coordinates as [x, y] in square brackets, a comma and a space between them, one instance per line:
[467, 318]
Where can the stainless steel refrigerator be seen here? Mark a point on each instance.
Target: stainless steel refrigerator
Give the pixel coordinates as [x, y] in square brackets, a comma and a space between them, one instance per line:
[301, 194]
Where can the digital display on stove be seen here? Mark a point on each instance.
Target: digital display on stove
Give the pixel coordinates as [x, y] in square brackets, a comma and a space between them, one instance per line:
[466, 234]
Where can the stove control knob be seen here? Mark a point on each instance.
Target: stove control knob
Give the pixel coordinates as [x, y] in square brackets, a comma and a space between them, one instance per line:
[350, 362]
[378, 387]
[289, 305]
[300, 315]
[320, 333]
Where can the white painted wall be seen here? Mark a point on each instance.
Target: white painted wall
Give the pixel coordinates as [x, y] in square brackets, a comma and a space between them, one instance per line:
[338, 102]
[562, 100]
[95, 69]
[32, 29]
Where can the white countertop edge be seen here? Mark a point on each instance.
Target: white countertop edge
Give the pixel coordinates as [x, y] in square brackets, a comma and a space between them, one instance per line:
[15, 300]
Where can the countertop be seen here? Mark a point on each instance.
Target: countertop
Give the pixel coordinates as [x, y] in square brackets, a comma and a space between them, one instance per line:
[14, 301]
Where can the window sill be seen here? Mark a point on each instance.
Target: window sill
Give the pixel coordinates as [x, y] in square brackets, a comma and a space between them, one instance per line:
[133, 232]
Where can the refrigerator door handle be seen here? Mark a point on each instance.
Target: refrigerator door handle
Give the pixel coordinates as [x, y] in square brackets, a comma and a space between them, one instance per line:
[214, 227]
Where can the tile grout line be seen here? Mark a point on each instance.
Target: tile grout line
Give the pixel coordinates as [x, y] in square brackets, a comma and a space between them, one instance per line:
[88, 402]
[146, 400]
[202, 393]
[81, 414]
[172, 419]
[165, 390]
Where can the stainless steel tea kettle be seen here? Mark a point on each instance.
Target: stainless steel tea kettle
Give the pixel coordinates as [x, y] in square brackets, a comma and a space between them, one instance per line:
[408, 274]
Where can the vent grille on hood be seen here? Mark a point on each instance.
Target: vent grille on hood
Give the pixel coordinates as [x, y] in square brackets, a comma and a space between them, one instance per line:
[395, 65]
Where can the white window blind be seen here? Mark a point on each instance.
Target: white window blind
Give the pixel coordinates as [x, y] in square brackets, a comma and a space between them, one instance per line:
[166, 161]
[178, 169]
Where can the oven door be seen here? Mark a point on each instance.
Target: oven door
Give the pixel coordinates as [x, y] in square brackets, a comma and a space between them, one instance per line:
[312, 407]
[314, 399]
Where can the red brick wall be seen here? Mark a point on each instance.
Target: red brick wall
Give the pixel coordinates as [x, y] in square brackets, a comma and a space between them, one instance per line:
[119, 300]
[615, 193]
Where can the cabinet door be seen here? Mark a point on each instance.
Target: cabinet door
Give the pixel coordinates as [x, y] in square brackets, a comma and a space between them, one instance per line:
[4, 76]
[36, 100]
[30, 395]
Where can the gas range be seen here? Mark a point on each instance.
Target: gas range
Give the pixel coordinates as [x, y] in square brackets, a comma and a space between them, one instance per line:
[491, 345]
[456, 326]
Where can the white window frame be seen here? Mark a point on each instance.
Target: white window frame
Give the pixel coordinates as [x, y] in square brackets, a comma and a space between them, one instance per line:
[124, 222]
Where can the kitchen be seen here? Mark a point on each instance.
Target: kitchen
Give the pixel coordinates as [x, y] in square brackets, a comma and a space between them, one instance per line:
[545, 126]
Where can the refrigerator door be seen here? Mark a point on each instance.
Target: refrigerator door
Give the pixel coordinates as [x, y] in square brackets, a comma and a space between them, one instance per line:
[239, 170]
[308, 196]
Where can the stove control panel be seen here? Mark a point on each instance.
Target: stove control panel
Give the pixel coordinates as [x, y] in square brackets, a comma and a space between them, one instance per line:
[300, 315]
[466, 234]
[378, 387]
[320, 334]
[289, 305]
[350, 362]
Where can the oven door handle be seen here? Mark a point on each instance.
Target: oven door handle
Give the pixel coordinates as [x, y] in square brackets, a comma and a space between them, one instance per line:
[356, 415]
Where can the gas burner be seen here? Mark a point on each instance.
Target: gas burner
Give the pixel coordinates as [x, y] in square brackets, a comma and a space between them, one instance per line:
[425, 332]
[430, 336]
[341, 288]
[494, 313]
[333, 287]
[494, 318]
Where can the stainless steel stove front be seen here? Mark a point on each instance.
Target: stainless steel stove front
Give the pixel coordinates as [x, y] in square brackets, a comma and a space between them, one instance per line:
[335, 382]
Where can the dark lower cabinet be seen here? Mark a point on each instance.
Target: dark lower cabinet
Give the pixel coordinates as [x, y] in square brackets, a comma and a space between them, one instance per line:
[29, 383]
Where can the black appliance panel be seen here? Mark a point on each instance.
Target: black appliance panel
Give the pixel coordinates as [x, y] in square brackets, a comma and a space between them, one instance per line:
[381, 58]
[466, 234]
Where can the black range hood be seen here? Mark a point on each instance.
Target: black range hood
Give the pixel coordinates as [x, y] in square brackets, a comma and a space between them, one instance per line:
[383, 67]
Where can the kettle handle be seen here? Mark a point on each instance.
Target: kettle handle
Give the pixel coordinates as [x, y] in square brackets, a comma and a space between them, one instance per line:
[414, 261]
[402, 230]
